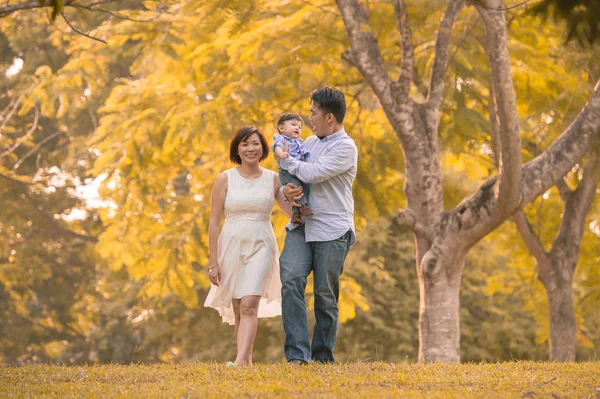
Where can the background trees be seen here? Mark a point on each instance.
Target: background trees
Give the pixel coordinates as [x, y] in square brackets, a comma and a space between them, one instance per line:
[127, 138]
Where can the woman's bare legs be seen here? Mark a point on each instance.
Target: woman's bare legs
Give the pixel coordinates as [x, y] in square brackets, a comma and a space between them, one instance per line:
[247, 329]
[236, 311]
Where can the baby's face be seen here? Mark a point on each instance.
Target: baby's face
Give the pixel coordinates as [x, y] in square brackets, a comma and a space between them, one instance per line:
[291, 128]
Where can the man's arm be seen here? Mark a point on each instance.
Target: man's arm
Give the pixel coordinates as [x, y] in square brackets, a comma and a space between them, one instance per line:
[338, 160]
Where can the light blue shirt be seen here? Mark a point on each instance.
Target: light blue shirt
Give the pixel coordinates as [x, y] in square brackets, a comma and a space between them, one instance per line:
[331, 170]
[296, 147]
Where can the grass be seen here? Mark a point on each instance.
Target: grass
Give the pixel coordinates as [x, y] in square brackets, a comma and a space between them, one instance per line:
[377, 379]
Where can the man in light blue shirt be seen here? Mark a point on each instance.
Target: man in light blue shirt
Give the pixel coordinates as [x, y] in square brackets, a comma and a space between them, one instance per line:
[321, 245]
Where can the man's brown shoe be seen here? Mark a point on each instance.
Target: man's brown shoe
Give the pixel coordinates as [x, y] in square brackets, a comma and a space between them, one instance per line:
[297, 362]
[305, 211]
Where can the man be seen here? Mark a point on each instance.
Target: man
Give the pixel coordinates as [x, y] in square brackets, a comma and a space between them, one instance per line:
[321, 245]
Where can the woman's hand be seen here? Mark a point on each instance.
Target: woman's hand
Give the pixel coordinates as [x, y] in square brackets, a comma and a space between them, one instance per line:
[214, 274]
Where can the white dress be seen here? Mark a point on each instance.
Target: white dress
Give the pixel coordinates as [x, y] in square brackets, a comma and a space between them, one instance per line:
[247, 249]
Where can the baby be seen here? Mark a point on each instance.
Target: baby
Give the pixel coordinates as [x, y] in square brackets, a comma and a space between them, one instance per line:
[289, 127]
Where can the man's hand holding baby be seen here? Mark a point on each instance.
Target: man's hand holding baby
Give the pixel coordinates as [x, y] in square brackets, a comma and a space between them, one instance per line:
[293, 193]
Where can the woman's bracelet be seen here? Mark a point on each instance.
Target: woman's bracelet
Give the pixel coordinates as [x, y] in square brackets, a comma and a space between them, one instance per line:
[211, 267]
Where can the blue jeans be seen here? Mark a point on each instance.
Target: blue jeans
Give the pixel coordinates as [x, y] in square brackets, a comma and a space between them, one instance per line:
[286, 177]
[326, 261]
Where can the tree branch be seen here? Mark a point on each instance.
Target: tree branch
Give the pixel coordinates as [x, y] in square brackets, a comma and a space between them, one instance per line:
[366, 56]
[97, 3]
[407, 67]
[90, 8]
[440, 63]
[79, 31]
[509, 140]
[577, 206]
[9, 9]
[538, 175]
[320, 8]
[532, 241]
[34, 149]
[482, 4]
[409, 218]
[25, 137]
[15, 180]
[563, 190]
[545, 170]
[494, 123]
[60, 229]
[364, 50]
[10, 111]
[464, 38]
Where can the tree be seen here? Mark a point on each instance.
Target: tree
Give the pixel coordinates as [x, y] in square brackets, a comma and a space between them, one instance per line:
[556, 267]
[444, 237]
[49, 271]
[494, 326]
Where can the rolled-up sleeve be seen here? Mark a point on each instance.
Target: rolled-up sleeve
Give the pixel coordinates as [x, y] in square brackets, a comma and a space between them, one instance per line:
[278, 141]
[340, 159]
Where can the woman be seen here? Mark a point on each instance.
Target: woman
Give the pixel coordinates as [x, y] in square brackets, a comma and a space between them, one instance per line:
[243, 263]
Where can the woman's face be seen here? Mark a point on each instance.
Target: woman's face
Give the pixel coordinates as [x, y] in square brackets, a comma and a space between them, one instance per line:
[250, 150]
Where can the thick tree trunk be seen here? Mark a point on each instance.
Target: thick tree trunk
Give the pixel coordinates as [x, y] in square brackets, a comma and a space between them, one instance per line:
[439, 270]
[562, 315]
[439, 322]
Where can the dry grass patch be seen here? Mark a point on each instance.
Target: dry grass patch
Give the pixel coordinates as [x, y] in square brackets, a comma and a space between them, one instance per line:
[378, 379]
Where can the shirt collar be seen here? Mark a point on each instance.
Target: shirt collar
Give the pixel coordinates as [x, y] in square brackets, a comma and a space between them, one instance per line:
[335, 135]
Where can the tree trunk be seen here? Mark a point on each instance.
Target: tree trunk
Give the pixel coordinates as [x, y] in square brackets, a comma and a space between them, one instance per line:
[557, 267]
[562, 316]
[439, 322]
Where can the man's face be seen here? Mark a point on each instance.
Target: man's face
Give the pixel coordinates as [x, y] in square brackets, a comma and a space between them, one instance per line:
[318, 120]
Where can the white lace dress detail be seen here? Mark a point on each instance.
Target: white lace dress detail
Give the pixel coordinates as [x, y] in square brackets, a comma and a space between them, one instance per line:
[247, 249]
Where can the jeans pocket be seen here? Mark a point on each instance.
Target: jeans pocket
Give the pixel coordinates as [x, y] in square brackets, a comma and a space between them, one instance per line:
[344, 238]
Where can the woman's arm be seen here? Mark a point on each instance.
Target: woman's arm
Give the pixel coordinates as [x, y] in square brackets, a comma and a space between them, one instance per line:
[217, 205]
[285, 206]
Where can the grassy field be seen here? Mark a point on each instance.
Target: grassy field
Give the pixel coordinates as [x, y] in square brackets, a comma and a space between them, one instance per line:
[378, 379]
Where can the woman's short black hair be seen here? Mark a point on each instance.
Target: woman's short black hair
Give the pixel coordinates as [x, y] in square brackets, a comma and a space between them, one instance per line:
[242, 135]
[330, 100]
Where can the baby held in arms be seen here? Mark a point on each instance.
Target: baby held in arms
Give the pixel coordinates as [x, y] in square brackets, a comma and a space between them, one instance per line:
[289, 127]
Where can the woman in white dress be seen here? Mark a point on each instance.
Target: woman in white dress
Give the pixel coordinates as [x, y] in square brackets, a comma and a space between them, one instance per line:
[244, 259]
